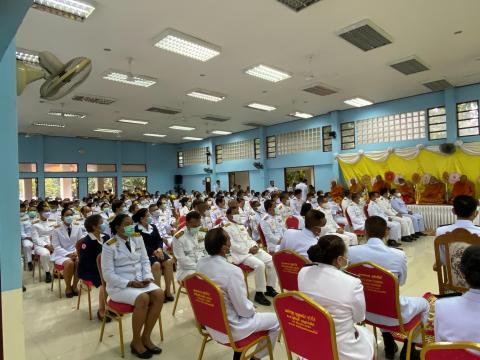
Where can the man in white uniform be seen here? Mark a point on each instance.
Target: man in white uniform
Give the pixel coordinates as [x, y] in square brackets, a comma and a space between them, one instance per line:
[399, 206]
[272, 227]
[26, 235]
[284, 210]
[406, 224]
[336, 210]
[246, 251]
[332, 227]
[395, 230]
[395, 261]
[216, 187]
[218, 212]
[272, 188]
[356, 213]
[302, 185]
[241, 313]
[255, 219]
[296, 202]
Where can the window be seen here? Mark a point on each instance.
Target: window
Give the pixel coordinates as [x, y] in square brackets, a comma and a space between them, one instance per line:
[238, 150]
[348, 135]
[256, 146]
[437, 123]
[298, 141]
[218, 154]
[134, 168]
[27, 189]
[60, 168]
[61, 187]
[131, 182]
[101, 168]
[102, 183]
[179, 159]
[271, 147]
[27, 167]
[467, 118]
[327, 139]
[389, 128]
[195, 156]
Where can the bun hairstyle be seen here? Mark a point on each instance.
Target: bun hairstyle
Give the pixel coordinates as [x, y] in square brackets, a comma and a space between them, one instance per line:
[327, 249]
[139, 214]
[470, 266]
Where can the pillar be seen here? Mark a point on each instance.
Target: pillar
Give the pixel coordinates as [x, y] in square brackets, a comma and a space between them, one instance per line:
[451, 111]
[27, 188]
[335, 122]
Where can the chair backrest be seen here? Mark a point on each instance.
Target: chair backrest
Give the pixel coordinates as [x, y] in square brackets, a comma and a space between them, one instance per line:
[207, 303]
[218, 221]
[380, 287]
[349, 221]
[365, 211]
[450, 351]
[263, 241]
[307, 327]
[449, 249]
[292, 222]
[288, 264]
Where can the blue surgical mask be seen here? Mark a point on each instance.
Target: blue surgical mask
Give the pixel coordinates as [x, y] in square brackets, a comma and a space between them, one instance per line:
[32, 214]
[149, 220]
[103, 227]
[125, 210]
[129, 230]
[194, 231]
[68, 219]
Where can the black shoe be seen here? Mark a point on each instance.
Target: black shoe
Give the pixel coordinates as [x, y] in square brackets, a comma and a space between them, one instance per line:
[421, 234]
[30, 266]
[407, 239]
[24, 288]
[168, 299]
[155, 350]
[261, 299]
[271, 292]
[390, 345]
[145, 355]
[393, 243]
[48, 277]
[414, 353]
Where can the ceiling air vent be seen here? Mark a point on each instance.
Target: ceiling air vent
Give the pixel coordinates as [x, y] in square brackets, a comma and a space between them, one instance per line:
[164, 110]
[409, 66]
[215, 118]
[94, 99]
[297, 5]
[438, 85]
[252, 124]
[365, 35]
[320, 90]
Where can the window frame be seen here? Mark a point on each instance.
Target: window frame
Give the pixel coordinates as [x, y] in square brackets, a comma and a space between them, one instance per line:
[180, 163]
[218, 154]
[472, 127]
[342, 136]
[271, 140]
[434, 116]
[103, 171]
[62, 177]
[136, 171]
[146, 180]
[60, 172]
[36, 184]
[328, 137]
[28, 163]
[257, 148]
[115, 179]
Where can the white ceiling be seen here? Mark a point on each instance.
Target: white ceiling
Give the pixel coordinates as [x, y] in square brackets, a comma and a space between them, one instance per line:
[249, 32]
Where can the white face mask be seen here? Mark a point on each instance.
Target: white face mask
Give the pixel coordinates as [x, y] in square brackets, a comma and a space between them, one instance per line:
[237, 218]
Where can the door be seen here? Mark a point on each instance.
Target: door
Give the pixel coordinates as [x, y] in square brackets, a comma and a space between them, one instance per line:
[293, 175]
[208, 185]
[236, 178]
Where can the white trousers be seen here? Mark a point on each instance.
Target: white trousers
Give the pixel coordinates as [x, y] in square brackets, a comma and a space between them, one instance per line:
[27, 249]
[44, 258]
[340, 220]
[349, 238]
[268, 322]
[406, 224]
[418, 222]
[262, 263]
[395, 230]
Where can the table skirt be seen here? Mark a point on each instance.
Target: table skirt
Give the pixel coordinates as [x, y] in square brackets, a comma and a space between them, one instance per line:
[436, 215]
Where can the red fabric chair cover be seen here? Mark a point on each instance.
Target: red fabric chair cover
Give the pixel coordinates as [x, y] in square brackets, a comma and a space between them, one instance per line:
[182, 219]
[87, 283]
[356, 232]
[365, 211]
[263, 242]
[58, 267]
[308, 328]
[249, 339]
[288, 264]
[245, 268]
[120, 307]
[451, 351]
[292, 222]
[218, 221]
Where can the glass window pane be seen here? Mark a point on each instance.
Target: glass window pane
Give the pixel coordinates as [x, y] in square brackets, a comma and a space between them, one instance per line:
[437, 127]
[60, 167]
[436, 111]
[101, 184]
[131, 182]
[468, 115]
[64, 188]
[27, 167]
[437, 119]
[27, 189]
[468, 123]
[134, 168]
[438, 135]
[101, 168]
[468, 132]
[472, 105]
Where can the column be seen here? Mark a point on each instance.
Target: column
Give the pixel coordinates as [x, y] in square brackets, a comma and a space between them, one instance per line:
[27, 188]
[335, 122]
[451, 110]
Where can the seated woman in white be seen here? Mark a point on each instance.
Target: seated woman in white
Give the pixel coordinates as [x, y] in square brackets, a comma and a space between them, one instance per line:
[128, 277]
[340, 294]
[64, 239]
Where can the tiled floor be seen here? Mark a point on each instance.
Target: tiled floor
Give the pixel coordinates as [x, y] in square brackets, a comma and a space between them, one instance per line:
[54, 329]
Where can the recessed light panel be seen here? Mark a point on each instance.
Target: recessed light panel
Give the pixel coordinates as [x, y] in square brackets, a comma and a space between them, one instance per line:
[137, 122]
[154, 135]
[186, 45]
[206, 95]
[262, 107]
[358, 102]
[164, 110]
[301, 115]
[110, 131]
[192, 138]
[67, 114]
[130, 79]
[69, 9]
[183, 128]
[94, 99]
[268, 73]
[221, 132]
[49, 125]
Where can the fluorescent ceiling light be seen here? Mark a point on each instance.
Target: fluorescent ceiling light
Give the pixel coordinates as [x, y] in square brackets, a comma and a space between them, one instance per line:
[128, 121]
[358, 102]
[184, 128]
[221, 132]
[67, 114]
[28, 56]
[155, 135]
[70, 9]
[186, 45]
[302, 115]
[206, 95]
[130, 79]
[49, 125]
[111, 131]
[192, 138]
[268, 73]
[262, 107]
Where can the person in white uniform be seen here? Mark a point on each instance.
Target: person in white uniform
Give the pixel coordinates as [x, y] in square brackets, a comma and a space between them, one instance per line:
[64, 239]
[296, 202]
[42, 230]
[218, 211]
[406, 224]
[336, 209]
[284, 210]
[340, 294]
[302, 185]
[331, 227]
[356, 213]
[456, 318]
[26, 235]
[272, 188]
[246, 251]
[272, 227]
[395, 261]
[301, 240]
[399, 206]
[255, 219]
[128, 277]
[395, 230]
[243, 319]
[217, 187]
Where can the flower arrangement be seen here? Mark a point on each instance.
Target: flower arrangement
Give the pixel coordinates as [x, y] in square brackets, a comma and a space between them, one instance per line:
[426, 179]
[389, 176]
[366, 180]
[445, 176]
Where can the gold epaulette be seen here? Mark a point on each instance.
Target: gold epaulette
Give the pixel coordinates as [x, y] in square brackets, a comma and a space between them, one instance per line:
[111, 241]
[204, 229]
[136, 234]
[227, 224]
[179, 234]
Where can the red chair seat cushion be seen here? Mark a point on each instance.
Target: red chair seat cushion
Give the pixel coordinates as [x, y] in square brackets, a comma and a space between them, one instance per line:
[120, 307]
[245, 268]
[87, 283]
[249, 339]
[408, 326]
[58, 267]
[359, 232]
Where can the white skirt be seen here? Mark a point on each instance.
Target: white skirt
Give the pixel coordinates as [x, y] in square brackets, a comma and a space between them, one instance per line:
[130, 294]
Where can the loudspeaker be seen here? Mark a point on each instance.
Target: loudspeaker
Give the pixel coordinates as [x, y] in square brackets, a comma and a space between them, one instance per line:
[332, 134]
[178, 179]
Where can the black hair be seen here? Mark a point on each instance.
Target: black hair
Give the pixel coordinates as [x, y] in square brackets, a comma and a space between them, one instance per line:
[346, 193]
[42, 205]
[306, 207]
[470, 266]
[132, 207]
[103, 205]
[268, 204]
[218, 200]
[297, 191]
[313, 218]
[151, 206]
[139, 214]
[192, 215]
[23, 205]
[464, 206]
[215, 239]
[64, 210]
[383, 191]
[116, 204]
[283, 195]
[355, 196]
[229, 211]
[117, 221]
[92, 221]
[372, 194]
[196, 203]
[375, 227]
[327, 249]
[184, 201]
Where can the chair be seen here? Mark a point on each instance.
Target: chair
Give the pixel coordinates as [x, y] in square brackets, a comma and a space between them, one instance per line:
[450, 351]
[382, 297]
[292, 222]
[263, 241]
[208, 306]
[365, 211]
[36, 264]
[246, 270]
[356, 232]
[57, 275]
[287, 265]
[116, 311]
[179, 292]
[308, 329]
[448, 254]
[84, 285]
[182, 220]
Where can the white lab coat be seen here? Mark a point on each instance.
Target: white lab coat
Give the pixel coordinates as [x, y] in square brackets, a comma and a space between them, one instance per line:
[273, 230]
[395, 228]
[357, 216]
[64, 244]
[187, 249]
[299, 241]
[241, 314]
[342, 296]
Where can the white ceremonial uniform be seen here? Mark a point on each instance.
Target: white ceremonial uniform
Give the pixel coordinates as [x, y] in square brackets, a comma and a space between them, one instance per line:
[41, 236]
[241, 314]
[273, 230]
[216, 188]
[120, 266]
[26, 236]
[299, 241]
[395, 261]
[337, 213]
[456, 318]
[63, 244]
[218, 213]
[357, 216]
[342, 296]
[183, 211]
[406, 223]
[304, 187]
[459, 224]
[399, 206]
[244, 216]
[346, 202]
[261, 262]
[187, 249]
[331, 228]
[284, 211]
[255, 219]
[272, 189]
[296, 205]
[395, 230]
